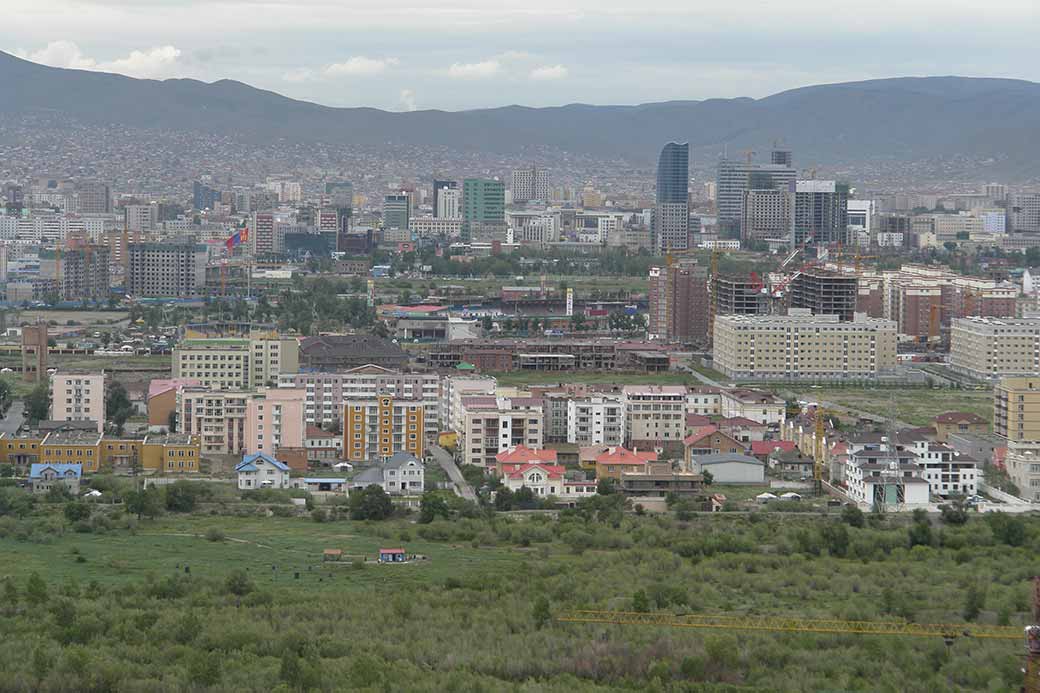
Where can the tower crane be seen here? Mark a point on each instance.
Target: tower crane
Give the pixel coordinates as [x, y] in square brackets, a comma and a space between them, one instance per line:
[795, 624]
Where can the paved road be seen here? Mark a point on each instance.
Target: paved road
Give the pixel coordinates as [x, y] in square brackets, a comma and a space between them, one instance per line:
[14, 419]
[447, 463]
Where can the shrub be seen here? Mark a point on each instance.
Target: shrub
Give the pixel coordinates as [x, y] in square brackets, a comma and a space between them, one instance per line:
[239, 583]
[214, 534]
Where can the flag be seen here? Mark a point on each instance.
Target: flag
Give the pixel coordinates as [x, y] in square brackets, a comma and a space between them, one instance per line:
[237, 239]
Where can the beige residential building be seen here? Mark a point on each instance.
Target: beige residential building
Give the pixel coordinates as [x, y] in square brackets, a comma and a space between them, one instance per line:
[78, 396]
[218, 417]
[275, 419]
[453, 390]
[377, 428]
[1016, 419]
[231, 363]
[654, 413]
[801, 346]
[995, 347]
[490, 425]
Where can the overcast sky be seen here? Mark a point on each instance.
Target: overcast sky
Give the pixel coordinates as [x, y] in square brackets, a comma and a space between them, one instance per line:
[457, 54]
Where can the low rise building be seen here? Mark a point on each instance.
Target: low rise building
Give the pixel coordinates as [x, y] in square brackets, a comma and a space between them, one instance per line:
[490, 425]
[260, 470]
[947, 472]
[730, 468]
[217, 417]
[615, 461]
[885, 481]
[758, 406]
[402, 474]
[46, 476]
[236, 363]
[654, 413]
[659, 480]
[959, 422]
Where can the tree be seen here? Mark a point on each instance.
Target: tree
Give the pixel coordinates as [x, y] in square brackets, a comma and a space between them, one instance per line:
[954, 513]
[171, 421]
[239, 583]
[181, 497]
[640, 602]
[35, 590]
[836, 537]
[605, 486]
[38, 402]
[76, 511]
[920, 533]
[432, 506]
[974, 602]
[709, 478]
[117, 406]
[504, 499]
[143, 503]
[1010, 530]
[371, 503]
[541, 612]
[852, 515]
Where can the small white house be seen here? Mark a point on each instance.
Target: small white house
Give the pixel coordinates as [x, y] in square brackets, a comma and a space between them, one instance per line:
[401, 475]
[260, 470]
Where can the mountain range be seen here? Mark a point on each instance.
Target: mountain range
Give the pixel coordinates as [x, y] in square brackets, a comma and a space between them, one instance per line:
[891, 121]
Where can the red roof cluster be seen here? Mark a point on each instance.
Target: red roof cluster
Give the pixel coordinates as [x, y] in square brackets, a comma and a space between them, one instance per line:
[765, 447]
[620, 455]
[522, 454]
[517, 471]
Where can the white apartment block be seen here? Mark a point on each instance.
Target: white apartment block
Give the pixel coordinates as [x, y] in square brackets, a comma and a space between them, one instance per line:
[655, 413]
[704, 401]
[217, 417]
[530, 184]
[947, 472]
[436, 227]
[449, 204]
[756, 405]
[78, 397]
[490, 425]
[453, 389]
[596, 420]
[801, 346]
[326, 392]
[236, 363]
[995, 347]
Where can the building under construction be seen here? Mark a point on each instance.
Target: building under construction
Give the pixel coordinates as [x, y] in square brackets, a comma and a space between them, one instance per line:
[740, 295]
[825, 292]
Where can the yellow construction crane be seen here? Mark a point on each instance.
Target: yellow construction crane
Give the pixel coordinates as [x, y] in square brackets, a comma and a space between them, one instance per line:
[713, 276]
[794, 624]
[819, 451]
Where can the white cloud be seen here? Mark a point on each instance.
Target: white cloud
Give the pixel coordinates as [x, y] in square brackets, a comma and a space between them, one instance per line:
[514, 55]
[360, 65]
[486, 68]
[549, 72]
[408, 100]
[153, 62]
[299, 76]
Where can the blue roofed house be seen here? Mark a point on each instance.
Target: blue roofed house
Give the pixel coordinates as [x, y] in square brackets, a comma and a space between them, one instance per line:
[260, 470]
[45, 476]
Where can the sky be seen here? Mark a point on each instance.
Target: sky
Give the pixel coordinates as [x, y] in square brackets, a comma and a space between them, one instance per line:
[461, 54]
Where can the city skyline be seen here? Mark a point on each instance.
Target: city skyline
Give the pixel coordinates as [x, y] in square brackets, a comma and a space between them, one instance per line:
[395, 61]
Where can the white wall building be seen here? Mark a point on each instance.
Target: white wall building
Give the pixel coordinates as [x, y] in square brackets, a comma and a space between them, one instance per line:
[596, 420]
[261, 471]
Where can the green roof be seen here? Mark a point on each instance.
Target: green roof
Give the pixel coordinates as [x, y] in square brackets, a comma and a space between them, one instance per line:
[463, 366]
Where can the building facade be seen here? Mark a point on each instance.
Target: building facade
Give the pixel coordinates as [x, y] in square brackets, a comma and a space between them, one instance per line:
[377, 428]
[78, 396]
[166, 270]
[988, 348]
[671, 224]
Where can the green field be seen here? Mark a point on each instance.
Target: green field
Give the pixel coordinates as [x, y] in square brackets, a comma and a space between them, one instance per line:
[119, 612]
[916, 406]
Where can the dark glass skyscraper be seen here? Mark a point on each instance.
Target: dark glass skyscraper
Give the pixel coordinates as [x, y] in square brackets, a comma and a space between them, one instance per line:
[672, 213]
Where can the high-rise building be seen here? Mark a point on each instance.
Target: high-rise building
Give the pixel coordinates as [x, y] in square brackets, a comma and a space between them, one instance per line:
[140, 217]
[1024, 213]
[396, 211]
[738, 296]
[767, 214]
[203, 196]
[824, 292]
[679, 302]
[483, 205]
[12, 196]
[671, 226]
[83, 273]
[439, 186]
[733, 178]
[261, 233]
[274, 420]
[781, 157]
[163, 270]
[530, 184]
[821, 212]
[93, 197]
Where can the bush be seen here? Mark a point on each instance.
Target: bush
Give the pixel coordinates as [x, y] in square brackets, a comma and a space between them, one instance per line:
[239, 583]
[76, 511]
[214, 534]
[319, 515]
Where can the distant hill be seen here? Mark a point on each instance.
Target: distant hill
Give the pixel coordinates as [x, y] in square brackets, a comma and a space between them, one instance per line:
[898, 120]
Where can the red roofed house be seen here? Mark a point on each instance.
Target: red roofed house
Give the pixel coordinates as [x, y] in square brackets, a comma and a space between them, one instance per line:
[709, 440]
[959, 422]
[743, 429]
[611, 463]
[521, 454]
[544, 480]
[696, 421]
[761, 449]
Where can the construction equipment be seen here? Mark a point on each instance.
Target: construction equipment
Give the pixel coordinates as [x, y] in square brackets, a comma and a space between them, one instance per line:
[819, 452]
[713, 275]
[949, 632]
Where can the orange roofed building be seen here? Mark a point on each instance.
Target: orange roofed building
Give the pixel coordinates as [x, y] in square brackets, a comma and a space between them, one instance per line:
[520, 455]
[614, 461]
